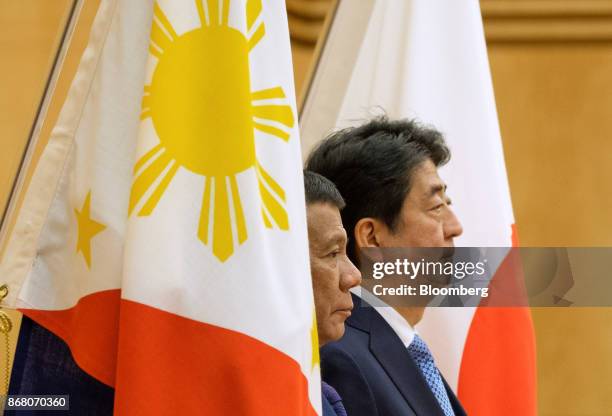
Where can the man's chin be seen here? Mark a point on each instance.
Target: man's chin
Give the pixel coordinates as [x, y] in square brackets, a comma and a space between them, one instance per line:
[336, 333]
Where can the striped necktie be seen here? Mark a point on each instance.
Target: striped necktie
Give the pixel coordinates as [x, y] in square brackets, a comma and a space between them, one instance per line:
[422, 356]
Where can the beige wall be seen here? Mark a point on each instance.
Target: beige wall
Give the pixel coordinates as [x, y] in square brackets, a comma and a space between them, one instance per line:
[31, 30]
[552, 73]
[308, 21]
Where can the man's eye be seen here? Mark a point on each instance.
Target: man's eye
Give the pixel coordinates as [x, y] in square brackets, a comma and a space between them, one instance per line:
[334, 254]
[437, 209]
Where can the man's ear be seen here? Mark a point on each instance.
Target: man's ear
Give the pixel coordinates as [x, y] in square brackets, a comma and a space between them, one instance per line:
[368, 232]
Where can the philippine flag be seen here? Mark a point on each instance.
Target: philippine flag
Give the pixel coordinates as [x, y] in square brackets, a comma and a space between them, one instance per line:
[162, 234]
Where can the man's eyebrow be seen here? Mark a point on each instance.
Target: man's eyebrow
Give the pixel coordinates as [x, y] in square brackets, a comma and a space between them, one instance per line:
[437, 188]
[337, 237]
[340, 235]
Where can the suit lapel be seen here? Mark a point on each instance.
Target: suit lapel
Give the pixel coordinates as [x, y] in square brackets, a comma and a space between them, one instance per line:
[388, 349]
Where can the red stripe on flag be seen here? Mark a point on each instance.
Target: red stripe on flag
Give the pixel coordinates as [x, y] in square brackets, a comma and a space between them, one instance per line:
[498, 374]
[498, 368]
[173, 365]
[515, 239]
[90, 330]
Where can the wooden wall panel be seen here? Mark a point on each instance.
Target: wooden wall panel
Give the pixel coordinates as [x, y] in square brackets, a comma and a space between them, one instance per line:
[308, 20]
[551, 62]
[554, 103]
[30, 31]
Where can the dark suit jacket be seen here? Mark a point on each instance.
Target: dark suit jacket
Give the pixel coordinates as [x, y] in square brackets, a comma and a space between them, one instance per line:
[373, 372]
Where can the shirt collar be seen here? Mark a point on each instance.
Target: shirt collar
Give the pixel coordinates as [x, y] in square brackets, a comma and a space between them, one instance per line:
[400, 326]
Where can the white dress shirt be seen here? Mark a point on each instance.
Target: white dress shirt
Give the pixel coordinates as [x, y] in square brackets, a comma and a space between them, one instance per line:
[400, 326]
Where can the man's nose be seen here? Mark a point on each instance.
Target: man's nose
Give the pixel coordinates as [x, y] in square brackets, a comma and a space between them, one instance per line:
[452, 226]
[350, 276]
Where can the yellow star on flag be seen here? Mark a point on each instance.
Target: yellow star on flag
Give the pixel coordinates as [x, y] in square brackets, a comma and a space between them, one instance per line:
[88, 228]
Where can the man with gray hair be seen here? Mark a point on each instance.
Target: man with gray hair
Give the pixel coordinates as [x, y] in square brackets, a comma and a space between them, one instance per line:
[333, 274]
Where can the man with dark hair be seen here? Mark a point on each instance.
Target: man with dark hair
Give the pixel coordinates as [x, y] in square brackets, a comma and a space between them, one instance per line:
[387, 173]
[333, 274]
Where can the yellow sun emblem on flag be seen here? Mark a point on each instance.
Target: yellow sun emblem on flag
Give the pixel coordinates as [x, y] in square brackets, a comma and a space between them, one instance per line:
[204, 114]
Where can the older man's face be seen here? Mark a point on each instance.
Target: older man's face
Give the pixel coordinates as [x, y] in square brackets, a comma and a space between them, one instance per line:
[333, 274]
[426, 219]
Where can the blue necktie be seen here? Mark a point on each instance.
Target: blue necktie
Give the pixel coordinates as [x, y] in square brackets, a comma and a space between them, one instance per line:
[420, 354]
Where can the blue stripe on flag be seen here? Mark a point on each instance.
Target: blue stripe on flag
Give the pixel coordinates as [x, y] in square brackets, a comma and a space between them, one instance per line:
[44, 365]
